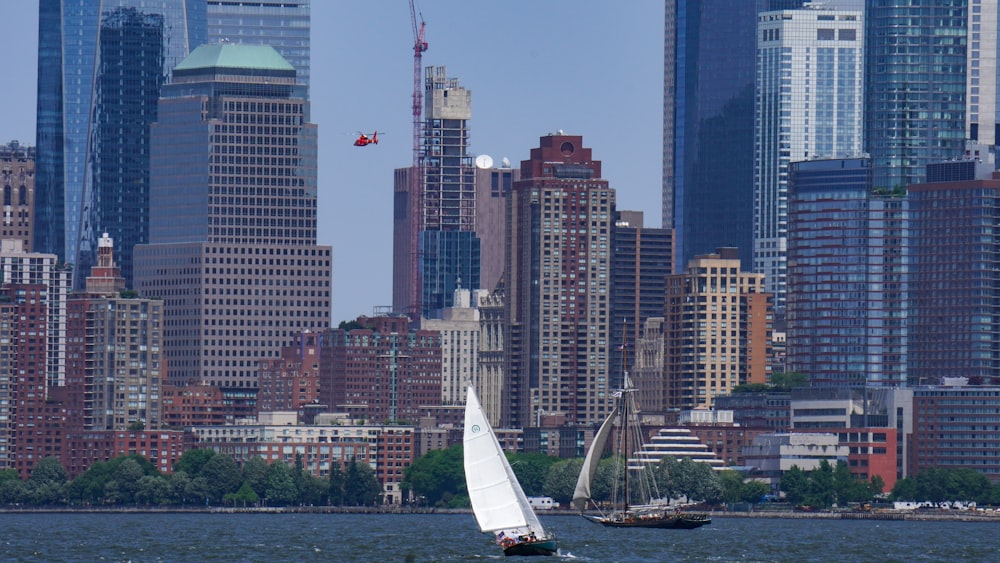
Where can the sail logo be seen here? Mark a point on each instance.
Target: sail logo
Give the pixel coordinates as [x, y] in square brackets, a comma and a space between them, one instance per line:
[475, 428]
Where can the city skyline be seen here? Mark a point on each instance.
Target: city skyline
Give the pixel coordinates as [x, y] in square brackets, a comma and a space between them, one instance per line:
[525, 86]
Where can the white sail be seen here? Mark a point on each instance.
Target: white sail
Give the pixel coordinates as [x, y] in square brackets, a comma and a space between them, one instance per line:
[497, 499]
[582, 493]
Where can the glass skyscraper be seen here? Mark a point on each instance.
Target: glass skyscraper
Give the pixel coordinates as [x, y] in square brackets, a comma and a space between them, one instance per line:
[282, 24]
[915, 85]
[809, 97]
[708, 124]
[101, 64]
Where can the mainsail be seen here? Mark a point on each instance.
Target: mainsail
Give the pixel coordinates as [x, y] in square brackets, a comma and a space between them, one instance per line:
[582, 493]
[497, 499]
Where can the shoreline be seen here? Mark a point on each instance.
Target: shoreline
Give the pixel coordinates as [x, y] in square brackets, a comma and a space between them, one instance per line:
[883, 515]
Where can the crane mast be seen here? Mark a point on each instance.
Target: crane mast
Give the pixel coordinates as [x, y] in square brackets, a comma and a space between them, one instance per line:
[416, 172]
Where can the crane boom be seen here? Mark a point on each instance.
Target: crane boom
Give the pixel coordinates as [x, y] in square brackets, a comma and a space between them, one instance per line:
[416, 211]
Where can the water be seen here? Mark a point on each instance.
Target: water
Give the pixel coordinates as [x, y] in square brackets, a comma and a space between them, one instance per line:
[142, 538]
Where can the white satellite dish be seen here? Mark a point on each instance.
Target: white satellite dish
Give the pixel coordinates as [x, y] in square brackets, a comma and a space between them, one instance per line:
[484, 161]
[505, 162]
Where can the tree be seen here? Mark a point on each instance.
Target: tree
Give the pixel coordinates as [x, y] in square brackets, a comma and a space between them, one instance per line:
[361, 488]
[753, 492]
[255, 474]
[223, 476]
[560, 483]
[124, 483]
[732, 486]
[280, 485]
[153, 490]
[794, 484]
[243, 497]
[786, 381]
[531, 470]
[193, 460]
[48, 483]
[336, 484]
[438, 476]
[314, 491]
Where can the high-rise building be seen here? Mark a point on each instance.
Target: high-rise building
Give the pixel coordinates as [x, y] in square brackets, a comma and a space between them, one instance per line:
[847, 278]
[384, 371]
[809, 96]
[708, 123]
[121, 390]
[953, 312]
[460, 334]
[233, 250]
[558, 287]
[101, 65]
[915, 84]
[983, 114]
[435, 247]
[640, 263]
[291, 381]
[17, 167]
[282, 24]
[493, 185]
[717, 331]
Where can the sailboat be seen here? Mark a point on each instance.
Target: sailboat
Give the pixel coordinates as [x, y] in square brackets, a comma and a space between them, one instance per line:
[634, 477]
[499, 503]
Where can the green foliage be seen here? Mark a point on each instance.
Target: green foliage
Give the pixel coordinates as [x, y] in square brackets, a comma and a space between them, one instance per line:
[754, 492]
[193, 460]
[223, 476]
[246, 496]
[255, 475]
[826, 486]
[438, 476]
[531, 469]
[786, 381]
[560, 483]
[939, 485]
[335, 486]
[361, 487]
[751, 388]
[48, 483]
[350, 325]
[281, 489]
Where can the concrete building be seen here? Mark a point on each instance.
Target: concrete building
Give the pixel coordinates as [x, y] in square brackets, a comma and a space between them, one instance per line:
[717, 331]
[558, 290]
[233, 250]
[101, 67]
[808, 104]
[493, 185]
[492, 353]
[291, 381]
[20, 267]
[849, 262]
[435, 246]
[17, 176]
[771, 455]
[384, 371]
[121, 389]
[641, 261]
[954, 427]
[459, 327]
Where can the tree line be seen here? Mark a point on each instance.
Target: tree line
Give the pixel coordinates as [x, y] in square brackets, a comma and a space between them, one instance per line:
[201, 477]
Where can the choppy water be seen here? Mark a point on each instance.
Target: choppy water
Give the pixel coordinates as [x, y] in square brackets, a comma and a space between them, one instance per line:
[454, 537]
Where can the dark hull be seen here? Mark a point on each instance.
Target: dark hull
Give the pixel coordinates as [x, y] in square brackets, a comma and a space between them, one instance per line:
[541, 547]
[664, 521]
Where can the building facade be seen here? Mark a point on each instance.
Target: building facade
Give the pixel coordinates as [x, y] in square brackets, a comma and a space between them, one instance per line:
[848, 258]
[459, 328]
[17, 167]
[435, 246]
[291, 381]
[717, 331]
[808, 104]
[101, 66]
[954, 427]
[920, 64]
[282, 24]
[233, 250]
[558, 300]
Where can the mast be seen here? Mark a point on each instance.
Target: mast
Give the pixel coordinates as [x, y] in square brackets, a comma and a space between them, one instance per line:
[625, 411]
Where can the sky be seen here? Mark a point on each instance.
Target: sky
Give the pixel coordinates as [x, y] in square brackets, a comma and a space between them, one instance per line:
[587, 67]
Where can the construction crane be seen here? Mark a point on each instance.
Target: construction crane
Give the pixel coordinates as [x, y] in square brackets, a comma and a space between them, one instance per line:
[416, 173]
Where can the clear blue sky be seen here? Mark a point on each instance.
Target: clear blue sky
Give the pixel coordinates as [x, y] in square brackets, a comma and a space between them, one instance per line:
[588, 67]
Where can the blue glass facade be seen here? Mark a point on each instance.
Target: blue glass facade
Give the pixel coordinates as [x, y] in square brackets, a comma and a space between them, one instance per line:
[708, 174]
[915, 86]
[448, 260]
[848, 263]
[282, 24]
[96, 102]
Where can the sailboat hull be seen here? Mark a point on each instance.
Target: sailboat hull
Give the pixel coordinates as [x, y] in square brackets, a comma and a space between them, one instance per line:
[682, 521]
[542, 547]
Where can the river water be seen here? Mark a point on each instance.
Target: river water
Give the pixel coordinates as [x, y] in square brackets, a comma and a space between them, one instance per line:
[386, 538]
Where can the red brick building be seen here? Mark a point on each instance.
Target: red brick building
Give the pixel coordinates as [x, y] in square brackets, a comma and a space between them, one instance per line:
[290, 381]
[194, 405]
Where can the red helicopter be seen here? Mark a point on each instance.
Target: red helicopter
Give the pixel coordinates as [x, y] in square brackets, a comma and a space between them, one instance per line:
[365, 140]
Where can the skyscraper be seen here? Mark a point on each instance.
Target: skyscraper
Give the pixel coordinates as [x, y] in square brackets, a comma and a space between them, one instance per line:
[435, 247]
[17, 177]
[915, 82]
[983, 121]
[232, 247]
[708, 124]
[558, 300]
[101, 64]
[847, 279]
[808, 104]
[282, 24]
